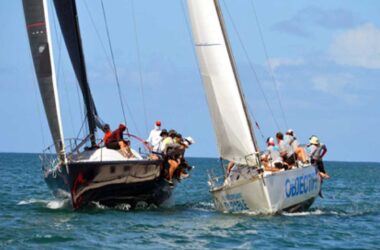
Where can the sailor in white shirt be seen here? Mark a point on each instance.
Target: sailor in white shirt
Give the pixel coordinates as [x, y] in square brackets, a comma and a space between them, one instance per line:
[154, 138]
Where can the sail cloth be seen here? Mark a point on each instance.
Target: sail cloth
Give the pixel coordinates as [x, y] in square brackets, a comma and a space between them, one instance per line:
[67, 16]
[39, 40]
[234, 136]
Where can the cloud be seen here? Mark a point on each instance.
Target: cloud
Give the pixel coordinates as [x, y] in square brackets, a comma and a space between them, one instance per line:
[357, 47]
[327, 19]
[276, 63]
[338, 85]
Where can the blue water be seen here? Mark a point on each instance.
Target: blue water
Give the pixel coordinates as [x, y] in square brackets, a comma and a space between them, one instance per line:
[347, 218]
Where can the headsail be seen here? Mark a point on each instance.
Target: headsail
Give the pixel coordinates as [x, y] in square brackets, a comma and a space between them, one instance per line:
[68, 20]
[225, 100]
[37, 23]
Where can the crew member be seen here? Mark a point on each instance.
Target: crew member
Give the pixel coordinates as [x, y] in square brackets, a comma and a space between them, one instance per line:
[272, 160]
[107, 134]
[116, 141]
[291, 139]
[286, 151]
[316, 152]
[154, 138]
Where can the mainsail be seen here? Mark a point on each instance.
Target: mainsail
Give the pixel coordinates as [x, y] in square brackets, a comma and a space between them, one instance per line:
[68, 20]
[37, 22]
[235, 137]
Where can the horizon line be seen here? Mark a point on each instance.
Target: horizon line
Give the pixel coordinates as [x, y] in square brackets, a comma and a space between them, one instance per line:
[209, 157]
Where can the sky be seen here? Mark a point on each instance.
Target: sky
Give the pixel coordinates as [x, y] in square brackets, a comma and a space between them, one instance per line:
[324, 56]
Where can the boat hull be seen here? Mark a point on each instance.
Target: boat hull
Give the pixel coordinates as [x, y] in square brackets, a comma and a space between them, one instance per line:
[292, 191]
[110, 183]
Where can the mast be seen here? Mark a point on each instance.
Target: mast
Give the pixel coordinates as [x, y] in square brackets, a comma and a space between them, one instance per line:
[68, 18]
[234, 68]
[235, 138]
[37, 24]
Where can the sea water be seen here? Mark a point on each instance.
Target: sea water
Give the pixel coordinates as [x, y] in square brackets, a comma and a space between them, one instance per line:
[347, 218]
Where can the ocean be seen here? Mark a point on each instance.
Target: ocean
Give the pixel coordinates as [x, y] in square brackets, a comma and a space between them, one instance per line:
[348, 217]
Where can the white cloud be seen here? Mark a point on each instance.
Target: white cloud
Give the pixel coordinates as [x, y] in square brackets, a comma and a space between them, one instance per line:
[357, 47]
[338, 85]
[276, 63]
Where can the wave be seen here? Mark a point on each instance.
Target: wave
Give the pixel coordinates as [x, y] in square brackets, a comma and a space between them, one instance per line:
[200, 206]
[306, 213]
[51, 204]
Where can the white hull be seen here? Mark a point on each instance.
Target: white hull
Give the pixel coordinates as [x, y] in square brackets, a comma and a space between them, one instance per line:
[269, 193]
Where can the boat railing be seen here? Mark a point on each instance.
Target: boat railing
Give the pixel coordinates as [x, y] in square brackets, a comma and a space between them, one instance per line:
[214, 181]
[73, 148]
[48, 160]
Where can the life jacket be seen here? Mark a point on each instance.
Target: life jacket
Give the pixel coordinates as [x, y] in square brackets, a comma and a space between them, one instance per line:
[116, 135]
[106, 137]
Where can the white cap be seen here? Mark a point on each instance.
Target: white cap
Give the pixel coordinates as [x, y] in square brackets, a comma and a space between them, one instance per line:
[190, 140]
[270, 140]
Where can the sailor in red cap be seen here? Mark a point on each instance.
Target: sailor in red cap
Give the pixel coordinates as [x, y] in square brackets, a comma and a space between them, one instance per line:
[154, 139]
[116, 141]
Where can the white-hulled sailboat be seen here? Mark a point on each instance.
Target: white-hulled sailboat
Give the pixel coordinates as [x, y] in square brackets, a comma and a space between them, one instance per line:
[80, 169]
[252, 189]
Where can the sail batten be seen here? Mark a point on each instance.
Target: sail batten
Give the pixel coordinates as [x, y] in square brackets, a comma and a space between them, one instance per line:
[37, 24]
[225, 100]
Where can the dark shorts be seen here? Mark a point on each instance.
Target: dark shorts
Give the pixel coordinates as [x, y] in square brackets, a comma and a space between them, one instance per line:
[290, 160]
[113, 145]
[279, 165]
[320, 165]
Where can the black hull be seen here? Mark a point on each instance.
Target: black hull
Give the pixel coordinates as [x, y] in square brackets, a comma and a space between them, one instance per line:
[110, 183]
[301, 207]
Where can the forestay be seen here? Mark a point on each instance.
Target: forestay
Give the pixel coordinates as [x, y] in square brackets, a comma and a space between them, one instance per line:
[37, 24]
[225, 100]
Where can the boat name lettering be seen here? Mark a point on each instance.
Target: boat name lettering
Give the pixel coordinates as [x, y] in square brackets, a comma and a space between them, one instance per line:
[235, 203]
[301, 185]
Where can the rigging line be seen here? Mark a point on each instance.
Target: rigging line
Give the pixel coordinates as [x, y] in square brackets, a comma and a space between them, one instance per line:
[113, 62]
[271, 72]
[257, 124]
[139, 62]
[251, 66]
[98, 34]
[82, 126]
[115, 72]
[60, 69]
[189, 31]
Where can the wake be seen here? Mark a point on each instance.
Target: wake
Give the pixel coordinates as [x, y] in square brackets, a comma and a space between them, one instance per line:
[51, 204]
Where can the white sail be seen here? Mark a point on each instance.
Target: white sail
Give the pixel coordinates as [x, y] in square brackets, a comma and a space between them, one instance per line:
[37, 20]
[225, 100]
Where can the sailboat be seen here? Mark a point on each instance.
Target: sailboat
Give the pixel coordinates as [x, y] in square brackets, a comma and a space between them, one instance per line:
[252, 189]
[81, 169]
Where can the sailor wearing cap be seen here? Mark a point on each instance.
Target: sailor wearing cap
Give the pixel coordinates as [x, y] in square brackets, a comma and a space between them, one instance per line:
[154, 138]
[316, 151]
[291, 139]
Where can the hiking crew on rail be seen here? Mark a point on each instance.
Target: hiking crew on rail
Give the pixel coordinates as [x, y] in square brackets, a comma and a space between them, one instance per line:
[169, 146]
[289, 154]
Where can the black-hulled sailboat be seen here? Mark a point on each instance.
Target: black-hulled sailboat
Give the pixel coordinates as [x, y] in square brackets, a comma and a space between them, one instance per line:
[80, 169]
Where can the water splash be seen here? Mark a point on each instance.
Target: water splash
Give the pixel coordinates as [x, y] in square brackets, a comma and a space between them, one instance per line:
[306, 213]
[51, 204]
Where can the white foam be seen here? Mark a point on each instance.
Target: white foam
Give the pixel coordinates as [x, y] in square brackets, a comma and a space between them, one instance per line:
[57, 204]
[52, 204]
[123, 207]
[306, 213]
[32, 201]
[249, 213]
